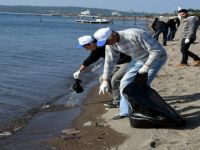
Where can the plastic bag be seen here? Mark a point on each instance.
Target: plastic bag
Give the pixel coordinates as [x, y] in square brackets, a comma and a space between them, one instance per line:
[149, 109]
[77, 87]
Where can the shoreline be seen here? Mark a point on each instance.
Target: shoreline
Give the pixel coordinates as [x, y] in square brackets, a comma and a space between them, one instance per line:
[179, 87]
[97, 134]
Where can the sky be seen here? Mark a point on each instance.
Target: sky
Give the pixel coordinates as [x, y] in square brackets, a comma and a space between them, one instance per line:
[149, 6]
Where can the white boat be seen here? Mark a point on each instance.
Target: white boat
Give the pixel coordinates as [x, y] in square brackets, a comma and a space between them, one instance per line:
[116, 13]
[86, 17]
[95, 21]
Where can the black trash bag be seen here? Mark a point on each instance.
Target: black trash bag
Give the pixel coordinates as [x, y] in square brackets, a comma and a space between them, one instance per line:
[149, 109]
[77, 87]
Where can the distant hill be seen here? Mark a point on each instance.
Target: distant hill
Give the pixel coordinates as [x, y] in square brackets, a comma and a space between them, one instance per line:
[64, 10]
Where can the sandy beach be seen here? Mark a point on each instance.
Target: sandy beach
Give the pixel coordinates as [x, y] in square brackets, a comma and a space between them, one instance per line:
[179, 87]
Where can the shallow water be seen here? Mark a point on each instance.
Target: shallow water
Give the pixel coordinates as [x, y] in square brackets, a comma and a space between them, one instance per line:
[37, 59]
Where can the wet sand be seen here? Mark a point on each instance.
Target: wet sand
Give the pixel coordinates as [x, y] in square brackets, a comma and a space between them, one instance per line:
[95, 134]
[180, 88]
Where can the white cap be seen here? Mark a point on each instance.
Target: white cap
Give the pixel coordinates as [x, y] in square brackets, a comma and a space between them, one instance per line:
[83, 40]
[102, 35]
[179, 8]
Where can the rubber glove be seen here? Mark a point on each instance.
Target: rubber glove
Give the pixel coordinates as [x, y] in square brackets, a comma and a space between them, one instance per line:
[103, 87]
[187, 41]
[77, 74]
[144, 69]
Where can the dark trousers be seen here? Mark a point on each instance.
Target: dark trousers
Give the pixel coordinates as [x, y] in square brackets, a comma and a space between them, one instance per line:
[171, 33]
[185, 51]
[164, 32]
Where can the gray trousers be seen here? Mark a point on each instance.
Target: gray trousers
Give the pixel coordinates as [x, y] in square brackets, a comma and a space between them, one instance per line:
[117, 73]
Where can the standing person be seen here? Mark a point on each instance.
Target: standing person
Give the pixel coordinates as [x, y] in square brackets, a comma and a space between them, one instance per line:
[148, 56]
[118, 71]
[160, 27]
[191, 24]
[172, 24]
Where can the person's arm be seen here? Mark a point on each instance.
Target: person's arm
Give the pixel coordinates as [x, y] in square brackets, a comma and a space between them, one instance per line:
[78, 72]
[154, 49]
[177, 22]
[111, 57]
[193, 25]
[82, 68]
[93, 57]
[153, 26]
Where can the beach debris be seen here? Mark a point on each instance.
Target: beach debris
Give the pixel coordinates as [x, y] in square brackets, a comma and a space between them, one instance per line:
[17, 128]
[56, 107]
[99, 124]
[70, 105]
[5, 133]
[101, 136]
[45, 106]
[155, 143]
[67, 137]
[87, 124]
[71, 131]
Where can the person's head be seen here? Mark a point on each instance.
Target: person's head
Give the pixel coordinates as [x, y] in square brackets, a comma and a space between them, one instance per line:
[156, 19]
[105, 36]
[183, 13]
[87, 42]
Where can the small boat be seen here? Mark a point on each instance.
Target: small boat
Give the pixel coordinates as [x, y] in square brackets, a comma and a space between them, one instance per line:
[95, 21]
[86, 17]
[115, 13]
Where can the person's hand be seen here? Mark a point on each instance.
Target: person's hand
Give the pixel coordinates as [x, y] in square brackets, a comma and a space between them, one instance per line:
[77, 74]
[187, 41]
[103, 87]
[144, 69]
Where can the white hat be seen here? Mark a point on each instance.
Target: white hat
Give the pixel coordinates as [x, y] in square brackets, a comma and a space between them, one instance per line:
[83, 40]
[102, 35]
[179, 8]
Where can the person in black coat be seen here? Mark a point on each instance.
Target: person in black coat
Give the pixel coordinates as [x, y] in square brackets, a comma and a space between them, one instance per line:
[173, 24]
[160, 27]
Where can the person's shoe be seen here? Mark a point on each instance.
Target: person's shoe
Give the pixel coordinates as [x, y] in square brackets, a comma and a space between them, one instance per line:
[119, 117]
[111, 105]
[181, 65]
[196, 63]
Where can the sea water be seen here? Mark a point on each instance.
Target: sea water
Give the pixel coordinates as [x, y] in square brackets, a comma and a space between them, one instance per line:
[38, 56]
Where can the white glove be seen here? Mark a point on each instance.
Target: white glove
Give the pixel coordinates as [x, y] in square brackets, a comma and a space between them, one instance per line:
[103, 87]
[187, 41]
[144, 69]
[77, 74]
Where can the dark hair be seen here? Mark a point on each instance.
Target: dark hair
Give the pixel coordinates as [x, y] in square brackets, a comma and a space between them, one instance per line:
[95, 41]
[183, 10]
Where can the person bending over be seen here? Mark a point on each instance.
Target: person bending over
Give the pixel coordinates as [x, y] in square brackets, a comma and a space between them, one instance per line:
[89, 43]
[148, 56]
